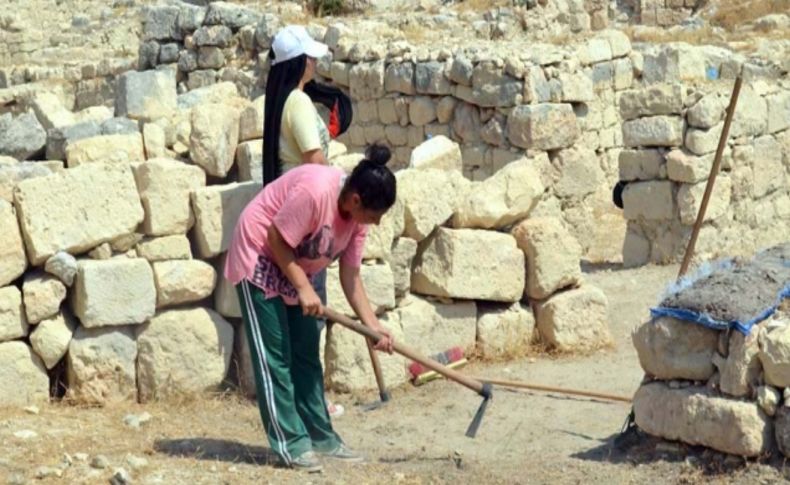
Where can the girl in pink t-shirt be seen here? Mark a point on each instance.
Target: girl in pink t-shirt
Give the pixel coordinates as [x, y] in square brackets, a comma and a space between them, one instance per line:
[294, 228]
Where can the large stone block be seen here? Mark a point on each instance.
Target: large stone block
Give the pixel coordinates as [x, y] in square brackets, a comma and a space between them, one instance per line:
[653, 131]
[13, 261]
[543, 126]
[702, 142]
[707, 112]
[13, 324]
[214, 136]
[506, 197]
[430, 197]
[403, 252]
[662, 99]
[12, 174]
[695, 416]
[429, 78]
[470, 264]
[739, 373]
[640, 165]
[217, 209]
[23, 378]
[552, 255]
[164, 248]
[146, 95]
[439, 152]
[213, 94]
[348, 366]
[575, 319]
[165, 186]
[249, 160]
[230, 14]
[674, 349]
[366, 81]
[775, 355]
[76, 210]
[379, 286]
[690, 200]
[251, 120]
[183, 352]
[649, 200]
[42, 294]
[226, 298]
[504, 331]
[101, 365]
[684, 167]
[430, 327]
[51, 338]
[183, 281]
[751, 114]
[580, 173]
[114, 149]
[399, 78]
[23, 136]
[114, 292]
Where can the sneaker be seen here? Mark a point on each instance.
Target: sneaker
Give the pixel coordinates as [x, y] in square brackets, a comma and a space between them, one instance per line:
[307, 462]
[344, 453]
[334, 410]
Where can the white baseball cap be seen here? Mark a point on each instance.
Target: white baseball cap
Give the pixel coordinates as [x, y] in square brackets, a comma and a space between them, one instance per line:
[293, 41]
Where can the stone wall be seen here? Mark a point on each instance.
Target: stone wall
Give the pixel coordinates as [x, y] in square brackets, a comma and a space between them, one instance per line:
[666, 13]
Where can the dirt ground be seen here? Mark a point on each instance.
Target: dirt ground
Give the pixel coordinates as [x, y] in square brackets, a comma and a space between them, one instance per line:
[418, 438]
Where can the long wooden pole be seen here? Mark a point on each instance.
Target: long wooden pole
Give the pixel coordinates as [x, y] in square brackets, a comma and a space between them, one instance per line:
[714, 171]
[558, 390]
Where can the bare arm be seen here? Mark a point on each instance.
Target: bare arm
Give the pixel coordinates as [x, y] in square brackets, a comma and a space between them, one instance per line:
[354, 290]
[314, 156]
[286, 260]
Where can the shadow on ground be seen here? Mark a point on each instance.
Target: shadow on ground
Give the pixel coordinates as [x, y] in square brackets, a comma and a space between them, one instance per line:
[217, 450]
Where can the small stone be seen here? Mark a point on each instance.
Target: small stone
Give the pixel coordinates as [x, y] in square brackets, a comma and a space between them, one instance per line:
[136, 462]
[135, 421]
[47, 471]
[120, 477]
[100, 462]
[83, 457]
[768, 399]
[64, 266]
[25, 434]
[32, 410]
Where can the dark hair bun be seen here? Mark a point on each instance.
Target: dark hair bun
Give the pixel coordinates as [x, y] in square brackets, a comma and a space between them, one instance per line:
[378, 154]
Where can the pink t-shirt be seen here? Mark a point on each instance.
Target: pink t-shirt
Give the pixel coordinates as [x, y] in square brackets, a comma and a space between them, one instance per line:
[302, 204]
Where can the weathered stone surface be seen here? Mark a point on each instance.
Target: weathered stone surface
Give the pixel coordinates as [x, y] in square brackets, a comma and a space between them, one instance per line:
[64, 266]
[504, 331]
[215, 134]
[217, 209]
[23, 136]
[164, 248]
[470, 264]
[13, 323]
[768, 399]
[114, 292]
[690, 199]
[422, 111]
[183, 281]
[439, 152]
[574, 319]
[740, 371]
[378, 242]
[403, 252]
[431, 327]
[50, 111]
[182, 352]
[114, 149]
[653, 131]
[154, 141]
[249, 160]
[580, 175]
[379, 285]
[146, 95]
[160, 22]
[399, 78]
[430, 197]
[649, 200]
[214, 94]
[101, 365]
[662, 99]
[12, 174]
[674, 349]
[778, 111]
[226, 298]
[543, 126]
[50, 340]
[23, 378]
[230, 14]
[42, 294]
[775, 355]
[782, 424]
[702, 142]
[506, 197]
[767, 163]
[213, 35]
[576, 87]
[165, 186]
[251, 120]
[552, 256]
[102, 251]
[595, 50]
[76, 210]
[683, 167]
[366, 81]
[640, 164]
[348, 367]
[13, 261]
[707, 112]
[694, 416]
[59, 138]
[429, 78]
[751, 114]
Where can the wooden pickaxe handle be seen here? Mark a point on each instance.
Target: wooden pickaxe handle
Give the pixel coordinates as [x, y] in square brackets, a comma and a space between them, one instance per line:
[374, 359]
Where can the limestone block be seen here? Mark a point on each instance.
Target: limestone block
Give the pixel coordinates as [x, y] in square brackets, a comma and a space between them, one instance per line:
[42, 294]
[576, 87]
[403, 252]
[13, 261]
[399, 78]
[154, 141]
[51, 338]
[552, 256]
[619, 42]
[574, 320]
[214, 94]
[13, 323]
[740, 371]
[751, 114]
[114, 292]
[696, 417]
[249, 159]
[217, 209]
[378, 241]
[580, 172]
[430, 197]
[543, 126]
[77, 209]
[690, 199]
[775, 355]
[164, 248]
[506, 197]
[767, 166]
[101, 365]
[379, 286]
[50, 111]
[348, 367]
[63, 266]
[181, 352]
[23, 378]
[640, 164]
[165, 186]
[146, 95]
[183, 281]
[687, 168]
[429, 78]
[114, 149]
[778, 111]
[504, 331]
[214, 136]
[439, 152]
[470, 264]
[23, 136]
[653, 131]
[661, 99]
[595, 50]
[12, 174]
[366, 81]
[251, 120]
[430, 327]
[212, 35]
[702, 142]
[226, 298]
[160, 22]
[230, 14]
[675, 349]
[707, 112]
[649, 200]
